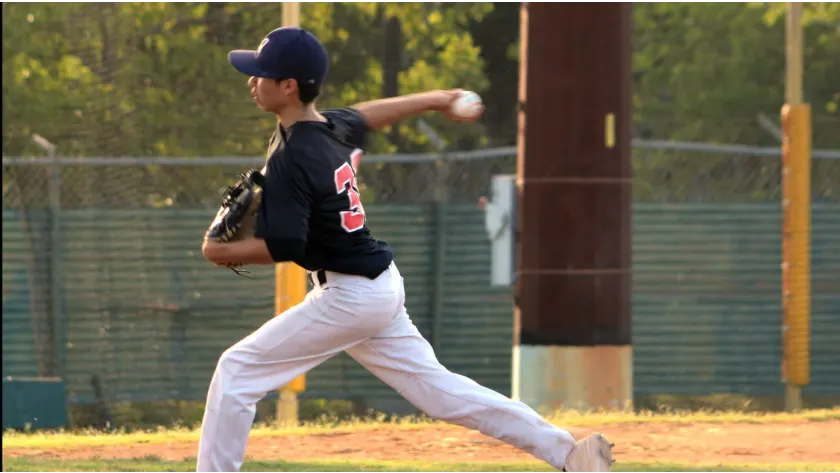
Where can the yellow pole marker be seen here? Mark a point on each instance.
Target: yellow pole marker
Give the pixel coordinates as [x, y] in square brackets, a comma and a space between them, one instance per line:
[609, 130]
[796, 214]
[796, 250]
[290, 282]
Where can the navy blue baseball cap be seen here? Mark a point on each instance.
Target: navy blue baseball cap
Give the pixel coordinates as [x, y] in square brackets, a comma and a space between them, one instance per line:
[285, 53]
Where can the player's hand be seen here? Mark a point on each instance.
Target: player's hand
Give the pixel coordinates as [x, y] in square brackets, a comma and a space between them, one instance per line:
[447, 98]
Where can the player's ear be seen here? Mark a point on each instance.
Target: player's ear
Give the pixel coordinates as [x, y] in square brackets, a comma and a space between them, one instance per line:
[290, 86]
[280, 84]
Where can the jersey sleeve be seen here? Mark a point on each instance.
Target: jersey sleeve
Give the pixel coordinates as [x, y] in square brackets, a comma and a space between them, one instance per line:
[350, 124]
[283, 219]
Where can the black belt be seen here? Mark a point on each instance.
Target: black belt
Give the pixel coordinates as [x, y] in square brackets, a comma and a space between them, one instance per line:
[319, 275]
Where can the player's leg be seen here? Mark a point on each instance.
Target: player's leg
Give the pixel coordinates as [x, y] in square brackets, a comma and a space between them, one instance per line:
[403, 359]
[271, 357]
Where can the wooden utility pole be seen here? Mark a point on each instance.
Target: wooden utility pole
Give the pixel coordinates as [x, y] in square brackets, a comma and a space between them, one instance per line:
[574, 181]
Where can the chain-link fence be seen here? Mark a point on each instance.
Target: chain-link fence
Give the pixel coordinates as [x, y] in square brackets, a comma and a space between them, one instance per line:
[103, 278]
[105, 285]
[134, 183]
[663, 171]
[697, 172]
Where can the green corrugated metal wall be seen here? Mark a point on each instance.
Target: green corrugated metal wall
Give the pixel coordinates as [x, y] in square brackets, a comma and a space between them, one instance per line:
[707, 298]
[146, 312]
[477, 320]
[825, 302]
[20, 353]
[147, 315]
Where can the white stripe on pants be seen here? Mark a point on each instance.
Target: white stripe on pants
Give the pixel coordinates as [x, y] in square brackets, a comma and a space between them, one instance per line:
[366, 318]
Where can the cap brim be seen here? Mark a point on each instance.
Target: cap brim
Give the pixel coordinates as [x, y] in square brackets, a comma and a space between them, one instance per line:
[245, 61]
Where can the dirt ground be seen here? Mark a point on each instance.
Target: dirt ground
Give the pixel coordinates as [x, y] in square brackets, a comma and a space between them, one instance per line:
[663, 442]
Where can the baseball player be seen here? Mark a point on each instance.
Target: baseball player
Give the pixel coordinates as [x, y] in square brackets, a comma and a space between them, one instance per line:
[311, 213]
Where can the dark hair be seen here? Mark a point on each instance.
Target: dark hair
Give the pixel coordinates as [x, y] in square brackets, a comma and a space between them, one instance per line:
[308, 92]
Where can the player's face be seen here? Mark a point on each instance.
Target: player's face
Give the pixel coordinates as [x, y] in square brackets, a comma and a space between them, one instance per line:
[271, 95]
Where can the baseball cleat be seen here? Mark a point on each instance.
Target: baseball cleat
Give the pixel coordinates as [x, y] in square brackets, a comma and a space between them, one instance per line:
[593, 453]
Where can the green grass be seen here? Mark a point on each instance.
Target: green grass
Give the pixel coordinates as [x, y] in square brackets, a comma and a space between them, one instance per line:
[57, 439]
[155, 464]
[141, 415]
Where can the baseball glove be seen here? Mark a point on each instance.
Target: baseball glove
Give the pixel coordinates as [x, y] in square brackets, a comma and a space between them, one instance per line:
[237, 217]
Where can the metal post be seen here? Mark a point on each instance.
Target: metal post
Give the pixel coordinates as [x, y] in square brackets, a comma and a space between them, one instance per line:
[291, 13]
[793, 56]
[441, 199]
[54, 192]
[441, 202]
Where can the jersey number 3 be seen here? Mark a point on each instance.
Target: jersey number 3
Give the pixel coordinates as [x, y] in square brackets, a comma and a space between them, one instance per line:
[345, 180]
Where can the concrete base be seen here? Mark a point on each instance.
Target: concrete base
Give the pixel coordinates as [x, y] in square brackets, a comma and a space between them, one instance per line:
[550, 378]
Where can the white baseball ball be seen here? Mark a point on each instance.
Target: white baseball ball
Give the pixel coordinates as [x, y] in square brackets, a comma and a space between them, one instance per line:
[468, 105]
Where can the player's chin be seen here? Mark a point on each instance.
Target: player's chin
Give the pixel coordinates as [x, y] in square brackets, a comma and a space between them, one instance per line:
[257, 103]
[266, 108]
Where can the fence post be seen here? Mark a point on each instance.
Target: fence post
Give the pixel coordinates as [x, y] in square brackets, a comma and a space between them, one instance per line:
[56, 277]
[441, 202]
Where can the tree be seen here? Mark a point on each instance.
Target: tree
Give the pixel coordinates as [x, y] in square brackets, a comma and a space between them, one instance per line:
[135, 79]
[703, 72]
[497, 36]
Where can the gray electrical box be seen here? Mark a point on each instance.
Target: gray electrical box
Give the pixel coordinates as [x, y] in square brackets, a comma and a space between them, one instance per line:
[500, 223]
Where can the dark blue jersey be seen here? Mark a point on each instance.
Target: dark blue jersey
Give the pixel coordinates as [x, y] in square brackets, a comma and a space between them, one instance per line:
[312, 212]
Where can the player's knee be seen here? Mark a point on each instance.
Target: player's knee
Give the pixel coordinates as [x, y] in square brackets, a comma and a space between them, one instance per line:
[236, 377]
[231, 367]
[232, 361]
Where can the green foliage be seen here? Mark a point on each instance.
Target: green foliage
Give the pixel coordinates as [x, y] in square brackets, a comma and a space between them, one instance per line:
[704, 71]
[153, 78]
[822, 48]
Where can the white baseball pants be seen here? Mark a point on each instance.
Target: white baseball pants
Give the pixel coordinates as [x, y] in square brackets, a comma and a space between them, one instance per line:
[367, 319]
